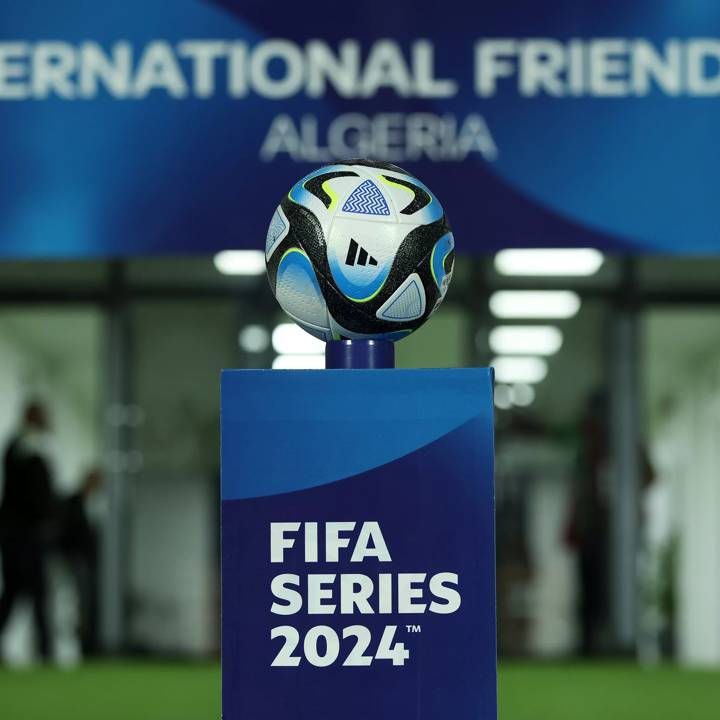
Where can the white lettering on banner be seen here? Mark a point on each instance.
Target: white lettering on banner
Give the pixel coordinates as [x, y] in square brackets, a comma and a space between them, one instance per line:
[426, 84]
[600, 68]
[111, 71]
[544, 60]
[278, 69]
[369, 542]
[13, 71]
[439, 588]
[237, 82]
[386, 68]
[159, 69]
[492, 62]
[290, 82]
[609, 68]
[698, 55]
[396, 137]
[333, 540]
[340, 70]
[278, 542]
[333, 593]
[292, 600]
[203, 54]
[54, 64]
[355, 593]
[317, 592]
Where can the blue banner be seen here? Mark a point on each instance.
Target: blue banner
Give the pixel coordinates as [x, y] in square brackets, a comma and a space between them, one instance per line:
[358, 545]
[141, 127]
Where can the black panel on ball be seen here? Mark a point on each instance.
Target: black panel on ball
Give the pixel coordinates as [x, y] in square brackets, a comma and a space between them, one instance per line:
[364, 162]
[315, 185]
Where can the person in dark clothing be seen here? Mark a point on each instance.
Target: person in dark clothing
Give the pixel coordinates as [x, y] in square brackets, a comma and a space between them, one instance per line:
[588, 530]
[78, 543]
[26, 522]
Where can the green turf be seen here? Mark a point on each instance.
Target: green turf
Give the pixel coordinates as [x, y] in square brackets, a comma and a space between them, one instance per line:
[607, 692]
[137, 691]
[132, 691]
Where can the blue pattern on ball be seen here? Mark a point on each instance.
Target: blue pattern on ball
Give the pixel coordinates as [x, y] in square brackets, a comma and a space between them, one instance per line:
[367, 199]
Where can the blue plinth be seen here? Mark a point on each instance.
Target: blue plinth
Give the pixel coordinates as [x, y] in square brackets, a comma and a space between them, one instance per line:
[359, 354]
[358, 555]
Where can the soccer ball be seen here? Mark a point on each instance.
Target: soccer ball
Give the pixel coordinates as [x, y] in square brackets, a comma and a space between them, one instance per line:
[359, 250]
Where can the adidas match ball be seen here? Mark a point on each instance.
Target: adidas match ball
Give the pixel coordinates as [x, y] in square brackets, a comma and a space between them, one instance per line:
[359, 249]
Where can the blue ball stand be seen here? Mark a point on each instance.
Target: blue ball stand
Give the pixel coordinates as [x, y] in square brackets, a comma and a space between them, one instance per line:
[359, 354]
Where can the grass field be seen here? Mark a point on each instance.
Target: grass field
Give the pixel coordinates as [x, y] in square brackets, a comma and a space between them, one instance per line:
[136, 691]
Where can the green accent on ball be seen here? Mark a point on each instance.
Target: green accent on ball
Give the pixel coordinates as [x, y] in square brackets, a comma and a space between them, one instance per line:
[388, 181]
[325, 186]
[292, 250]
[370, 297]
[333, 195]
[432, 264]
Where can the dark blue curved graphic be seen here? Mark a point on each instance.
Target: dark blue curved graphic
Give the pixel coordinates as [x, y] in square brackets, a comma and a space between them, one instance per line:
[336, 428]
[182, 159]
[435, 506]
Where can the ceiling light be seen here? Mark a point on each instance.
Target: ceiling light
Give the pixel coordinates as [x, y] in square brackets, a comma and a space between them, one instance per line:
[549, 262]
[502, 397]
[519, 369]
[558, 304]
[299, 362]
[254, 338]
[289, 338]
[240, 262]
[525, 340]
[522, 394]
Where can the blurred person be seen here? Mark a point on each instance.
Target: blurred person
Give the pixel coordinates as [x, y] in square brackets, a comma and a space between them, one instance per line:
[27, 515]
[79, 544]
[588, 529]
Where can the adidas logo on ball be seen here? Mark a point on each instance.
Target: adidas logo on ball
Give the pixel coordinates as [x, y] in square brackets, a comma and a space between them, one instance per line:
[363, 258]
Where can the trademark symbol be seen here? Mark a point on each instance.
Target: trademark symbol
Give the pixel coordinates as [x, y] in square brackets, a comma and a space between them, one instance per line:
[414, 629]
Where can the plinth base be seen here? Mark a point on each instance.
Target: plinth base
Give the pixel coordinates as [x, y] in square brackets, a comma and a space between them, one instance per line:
[359, 354]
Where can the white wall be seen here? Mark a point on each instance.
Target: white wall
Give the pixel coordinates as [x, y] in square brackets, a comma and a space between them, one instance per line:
[179, 349]
[544, 469]
[553, 590]
[687, 455]
[173, 571]
[683, 391]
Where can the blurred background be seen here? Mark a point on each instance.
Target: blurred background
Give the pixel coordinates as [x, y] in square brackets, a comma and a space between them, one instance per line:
[574, 152]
